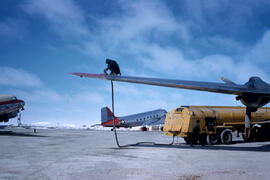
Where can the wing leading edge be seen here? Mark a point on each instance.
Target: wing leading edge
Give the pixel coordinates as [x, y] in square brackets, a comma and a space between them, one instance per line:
[194, 85]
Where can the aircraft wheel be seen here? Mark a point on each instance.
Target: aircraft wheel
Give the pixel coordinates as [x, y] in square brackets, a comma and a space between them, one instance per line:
[212, 139]
[226, 136]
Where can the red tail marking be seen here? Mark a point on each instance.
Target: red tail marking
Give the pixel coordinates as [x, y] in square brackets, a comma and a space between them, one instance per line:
[109, 112]
[110, 116]
[110, 123]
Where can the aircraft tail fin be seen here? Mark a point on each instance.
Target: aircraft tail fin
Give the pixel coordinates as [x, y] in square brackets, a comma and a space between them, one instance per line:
[107, 117]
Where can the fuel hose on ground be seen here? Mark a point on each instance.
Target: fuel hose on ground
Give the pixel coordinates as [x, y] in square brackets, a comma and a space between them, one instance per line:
[115, 133]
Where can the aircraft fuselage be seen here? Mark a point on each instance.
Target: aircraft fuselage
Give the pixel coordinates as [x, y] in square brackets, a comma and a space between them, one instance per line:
[10, 107]
[154, 117]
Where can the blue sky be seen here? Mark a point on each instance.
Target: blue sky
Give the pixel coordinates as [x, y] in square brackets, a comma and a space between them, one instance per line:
[41, 41]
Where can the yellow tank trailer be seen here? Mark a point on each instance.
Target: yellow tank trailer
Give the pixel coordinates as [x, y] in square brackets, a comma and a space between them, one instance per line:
[215, 124]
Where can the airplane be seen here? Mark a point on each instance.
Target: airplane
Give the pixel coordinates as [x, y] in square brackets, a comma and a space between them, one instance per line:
[10, 107]
[155, 117]
[253, 94]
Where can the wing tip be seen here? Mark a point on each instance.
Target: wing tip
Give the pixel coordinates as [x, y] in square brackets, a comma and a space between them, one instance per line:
[98, 76]
[76, 74]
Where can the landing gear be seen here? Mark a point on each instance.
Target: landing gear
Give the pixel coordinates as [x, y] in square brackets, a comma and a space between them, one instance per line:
[255, 134]
[144, 128]
[19, 122]
[246, 133]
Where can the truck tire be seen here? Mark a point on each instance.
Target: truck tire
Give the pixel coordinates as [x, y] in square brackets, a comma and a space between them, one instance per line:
[187, 140]
[256, 132]
[212, 139]
[226, 136]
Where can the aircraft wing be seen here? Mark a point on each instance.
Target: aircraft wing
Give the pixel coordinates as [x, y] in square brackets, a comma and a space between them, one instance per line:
[226, 88]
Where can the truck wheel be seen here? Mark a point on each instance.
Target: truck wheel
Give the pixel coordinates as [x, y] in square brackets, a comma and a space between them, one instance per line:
[256, 132]
[226, 136]
[212, 139]
[187, 140]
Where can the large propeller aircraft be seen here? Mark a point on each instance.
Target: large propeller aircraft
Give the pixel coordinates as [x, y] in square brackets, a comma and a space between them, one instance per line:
[253, 94]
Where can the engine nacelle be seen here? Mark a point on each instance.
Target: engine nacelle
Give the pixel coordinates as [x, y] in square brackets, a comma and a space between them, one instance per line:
[253, 101]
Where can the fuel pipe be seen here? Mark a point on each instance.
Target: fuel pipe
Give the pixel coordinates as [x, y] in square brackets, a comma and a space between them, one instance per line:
[115, 133]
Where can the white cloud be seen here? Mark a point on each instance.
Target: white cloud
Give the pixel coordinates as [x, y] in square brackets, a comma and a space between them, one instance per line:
[18, 78]
[87, 97]
[43, 103]
[142, 20]
[51, 106]
[64, 16]
[228, 44]
[207, 15]
[260, 52]
[134, 33]
[171, 61]
[41, 95]
[123, 89]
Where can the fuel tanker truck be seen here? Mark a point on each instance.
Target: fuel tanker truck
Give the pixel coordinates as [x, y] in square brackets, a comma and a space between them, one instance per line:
[215, 124]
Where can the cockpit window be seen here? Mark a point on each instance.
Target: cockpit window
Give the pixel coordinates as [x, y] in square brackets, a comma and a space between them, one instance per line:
[179, 109]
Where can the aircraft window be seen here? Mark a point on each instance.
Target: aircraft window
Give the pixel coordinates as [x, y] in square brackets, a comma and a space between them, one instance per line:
[143, 118]
[137, 119]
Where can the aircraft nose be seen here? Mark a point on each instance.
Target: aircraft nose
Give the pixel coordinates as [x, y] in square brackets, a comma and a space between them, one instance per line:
[21, 101]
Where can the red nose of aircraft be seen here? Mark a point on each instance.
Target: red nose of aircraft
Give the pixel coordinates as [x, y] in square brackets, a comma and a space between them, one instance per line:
[7, 99]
